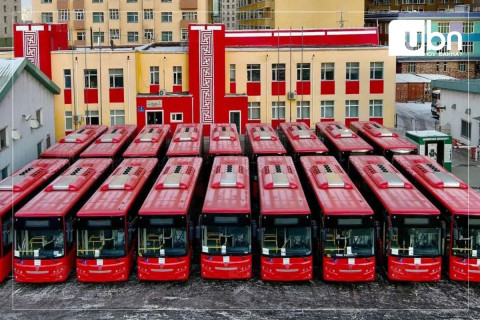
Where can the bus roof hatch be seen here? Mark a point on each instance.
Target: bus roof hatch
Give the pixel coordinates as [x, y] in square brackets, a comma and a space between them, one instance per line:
[175, 177]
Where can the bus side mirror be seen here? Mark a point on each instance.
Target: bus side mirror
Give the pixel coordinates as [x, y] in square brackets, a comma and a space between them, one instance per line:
[254, 229]
[260, 233]
[190, 229]
[455, 234]
[314, 229]
[323, 235]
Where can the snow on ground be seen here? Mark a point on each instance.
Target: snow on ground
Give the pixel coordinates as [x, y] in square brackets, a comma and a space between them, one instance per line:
[414, 109]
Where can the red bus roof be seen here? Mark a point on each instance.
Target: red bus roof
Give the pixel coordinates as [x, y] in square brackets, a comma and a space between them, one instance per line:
[384, 138]
[229, 186]
[148, 142]
[60, 196]
[450, 191]
[279, 187]
[224, 139]
[393, 190]
[27, 180]
[335, 192]
[119, 191]
[73, 144]
[342, 137]
[111, 142]
[186, 141]
[301, 138]
[263, 139]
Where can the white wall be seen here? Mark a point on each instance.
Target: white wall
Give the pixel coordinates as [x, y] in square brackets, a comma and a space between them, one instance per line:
[26, 96]
[455, 116]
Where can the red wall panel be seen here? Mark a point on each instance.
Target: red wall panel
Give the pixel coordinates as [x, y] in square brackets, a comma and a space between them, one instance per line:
[303, 87]
[376, 86]
[177, 88]
[67, 96]
[278, 88]
[352, 87]
[348, 120]
[327, 87]
[254, 88]
[233, 87]
[90, 95]
[116, 95]
[378, 120]
[154, 88]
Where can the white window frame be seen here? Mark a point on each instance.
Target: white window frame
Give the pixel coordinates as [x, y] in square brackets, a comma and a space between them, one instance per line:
[68, 115]
[349, 104]
[132, 17]
[168, 34]
[253, 69]
[154, 75]
[148, 14]
[117, 114]
[254, 106]
[166, 17]
[301, 107]
[177, 75]
[351, 68]
[327, 106]
[374, 103]
[90, 114]
[79, 14]
[174, 117]
[114, 34]
[114, 14]
[376, 67]
[327, 67]
[63, 15]
[276, 106]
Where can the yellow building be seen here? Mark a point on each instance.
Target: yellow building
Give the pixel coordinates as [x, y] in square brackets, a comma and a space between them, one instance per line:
[284, 14]
[125, 22]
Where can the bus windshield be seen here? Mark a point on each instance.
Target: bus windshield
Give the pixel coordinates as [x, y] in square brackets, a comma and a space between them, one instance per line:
[466, 240]
[39, 238]
[162, 236]
[228, 234]
[415, 241]
[287, 241]
[100, 238]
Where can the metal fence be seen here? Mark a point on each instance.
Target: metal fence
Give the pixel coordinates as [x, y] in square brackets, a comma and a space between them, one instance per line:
[406, 123]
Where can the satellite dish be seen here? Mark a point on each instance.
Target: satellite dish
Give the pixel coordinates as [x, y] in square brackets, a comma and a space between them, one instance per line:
[33, 124]
[16, 134]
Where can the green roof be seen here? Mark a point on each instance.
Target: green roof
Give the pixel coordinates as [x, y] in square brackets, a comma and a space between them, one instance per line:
[464, 85]
[10, 69]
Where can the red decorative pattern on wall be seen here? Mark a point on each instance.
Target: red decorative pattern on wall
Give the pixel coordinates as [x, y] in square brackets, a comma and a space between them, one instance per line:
[207, 94]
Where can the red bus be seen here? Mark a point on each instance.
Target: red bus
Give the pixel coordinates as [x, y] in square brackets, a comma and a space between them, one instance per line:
[300, 140]
[111, 144]
[72, 145]
[225, 225]
[285, 225]
[106, 234]
[262, 140]
[151, 142]
[166, 222]
[384, 141]
[341, 141]
[412, 234]
[187, 141]
[460, 207]
[347, 222]
[44, 228]
[15, 191]
[224, 140]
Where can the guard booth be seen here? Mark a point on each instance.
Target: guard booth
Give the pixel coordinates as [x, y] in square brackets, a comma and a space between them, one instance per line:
[434, 144]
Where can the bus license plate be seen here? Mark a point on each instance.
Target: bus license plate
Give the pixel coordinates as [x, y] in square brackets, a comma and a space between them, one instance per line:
[351, 260]
[417, 260]
[37, 262]
[99, 262]
[226, 259]
[161, 260]
[286, 260]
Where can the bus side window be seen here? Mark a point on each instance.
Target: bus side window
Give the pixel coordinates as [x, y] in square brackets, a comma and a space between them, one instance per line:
[7, 234]
[131, 230]
[69, 231]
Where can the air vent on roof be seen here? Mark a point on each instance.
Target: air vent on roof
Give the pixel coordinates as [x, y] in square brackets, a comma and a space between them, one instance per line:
[18, 182]
[149, 135]
[298, 132]
[384, 178]
[114, 136]
[338, 131]
[279, 176]
[79, 137]
[187, 134]
[263, 133]
[437, 178]
[328, 177]
[72, 180]
[229, 176]
[124, 178]
[377, 130]
[223, 133]
[176, 177]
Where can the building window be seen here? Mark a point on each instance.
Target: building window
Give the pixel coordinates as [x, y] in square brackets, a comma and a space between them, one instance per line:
[443, 27]
[176, 117]
[148, 34]
[412, 67]
[3, 138]
[166, 17]
[132, 36]
[254, 111]
[177, 75]
[132, 17]
[278, 72]
[97, 17]
[353, 70]
[303, 71]
[462, 66]
[466, 129]
[166, 1]
[184, 35]
[47, 17]
[5, 172]
[303, 109]
[445, 67]
[114, 34]
[351, 109]
[116, 78]
[232, 73]
[278, 110]
[253, 72]
[154, 75]
[68, 121]
[91, 117]
[468, 27]
[327, 109]
[38, 116]
[39, 148]
[131, 1]
[90, 78]
[148, 14]
[98, 37]
[81, 36]
[189, 16]
[79, 14]
[328, 71]
[376, 70]
[438, 66]
[43, 1]
[467, 47]
[114, 14]
[67, 78]
[166, 36]
[376, 108]
[117, 117]
[63, 15]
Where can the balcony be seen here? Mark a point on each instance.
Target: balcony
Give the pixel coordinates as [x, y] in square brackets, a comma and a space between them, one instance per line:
[78, 4]
[62, 4]
[188, 4]
[79, 24]
[184, 23]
